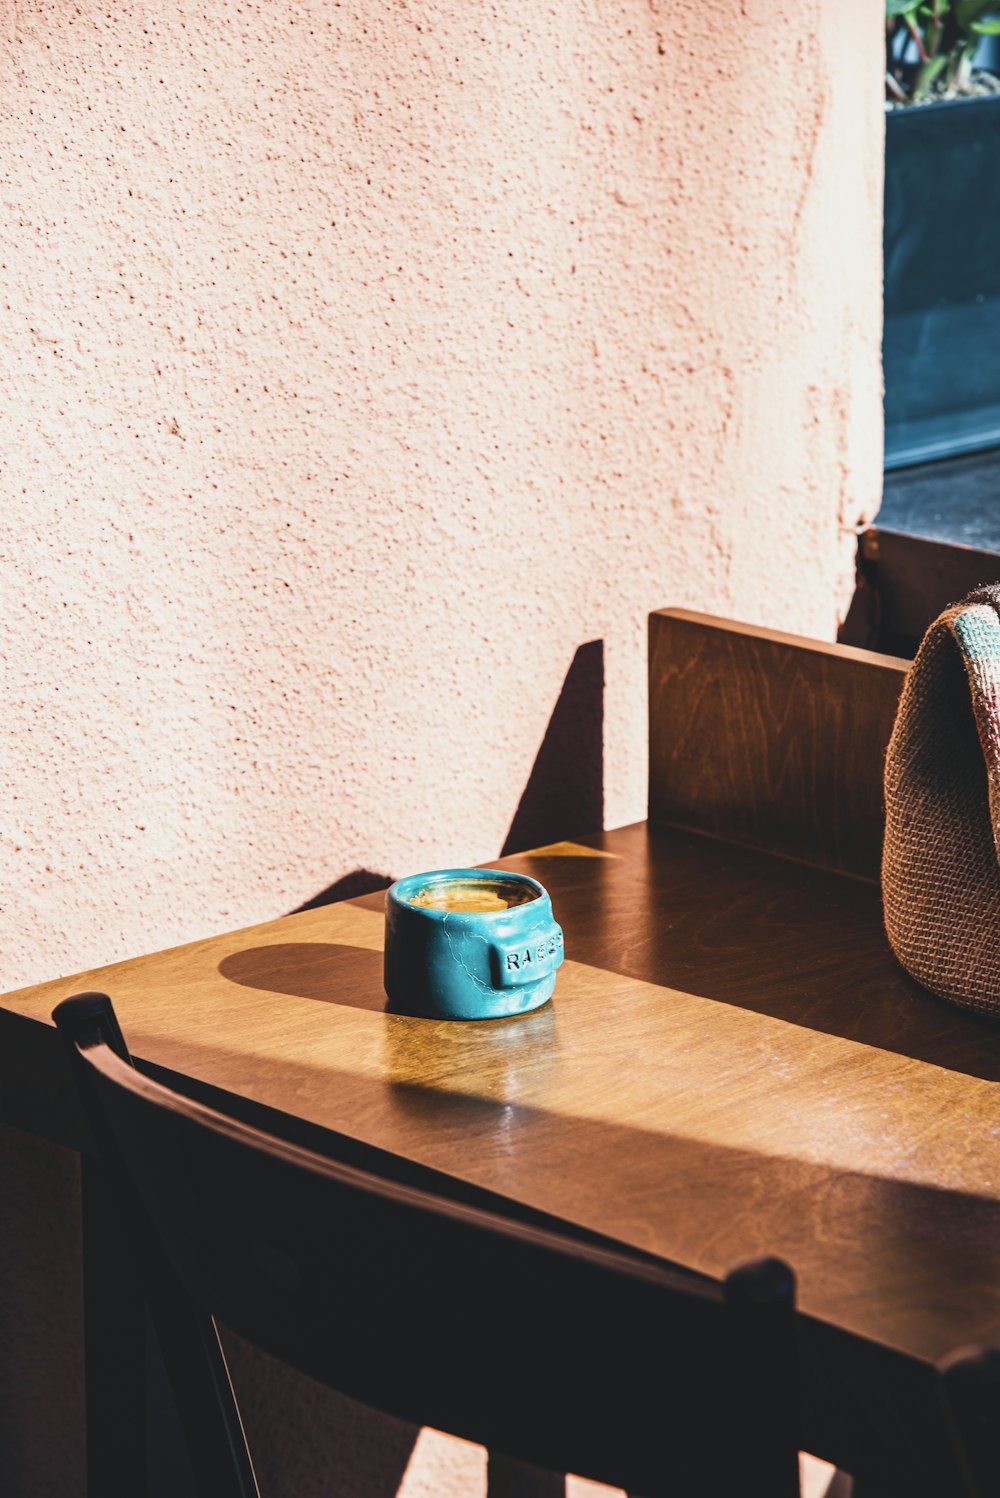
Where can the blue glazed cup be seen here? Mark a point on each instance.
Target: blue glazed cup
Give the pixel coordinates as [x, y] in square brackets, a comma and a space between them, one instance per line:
[452, 964]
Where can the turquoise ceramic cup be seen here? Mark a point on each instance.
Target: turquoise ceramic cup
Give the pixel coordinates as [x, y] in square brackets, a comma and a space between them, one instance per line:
[460, 964]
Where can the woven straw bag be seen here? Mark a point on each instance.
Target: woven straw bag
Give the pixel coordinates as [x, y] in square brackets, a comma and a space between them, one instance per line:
[941, 857]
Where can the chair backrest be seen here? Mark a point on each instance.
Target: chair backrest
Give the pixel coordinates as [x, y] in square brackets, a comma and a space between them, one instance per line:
[969, 1388]
[556, 1352]
[770, 739]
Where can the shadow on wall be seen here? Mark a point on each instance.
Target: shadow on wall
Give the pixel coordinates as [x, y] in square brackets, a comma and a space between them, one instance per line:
[564, 796]
[357, 882]
[309, 1440]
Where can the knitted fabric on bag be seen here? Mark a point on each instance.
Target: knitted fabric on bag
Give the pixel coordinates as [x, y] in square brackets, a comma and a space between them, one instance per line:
[940, 861]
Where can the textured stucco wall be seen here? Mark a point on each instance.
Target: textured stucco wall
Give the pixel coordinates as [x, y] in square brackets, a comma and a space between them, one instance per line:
[359, 362]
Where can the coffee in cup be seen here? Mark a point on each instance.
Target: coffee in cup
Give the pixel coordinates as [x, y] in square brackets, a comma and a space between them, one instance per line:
[473, 896]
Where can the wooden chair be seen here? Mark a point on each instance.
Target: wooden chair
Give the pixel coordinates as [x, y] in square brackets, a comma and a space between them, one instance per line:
[556, 1352]
[967, 1390]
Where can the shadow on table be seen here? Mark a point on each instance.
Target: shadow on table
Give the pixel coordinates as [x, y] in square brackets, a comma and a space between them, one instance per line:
[800, 945]
[350, 887]
[331, 972]
[759, 932]
[870, 1252]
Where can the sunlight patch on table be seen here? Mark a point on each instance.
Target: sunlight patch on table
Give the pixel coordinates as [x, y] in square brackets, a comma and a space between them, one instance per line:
[693, 1068]
[567, 850]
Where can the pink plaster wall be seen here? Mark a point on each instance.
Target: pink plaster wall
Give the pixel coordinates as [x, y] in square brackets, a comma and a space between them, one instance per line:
[361, 361]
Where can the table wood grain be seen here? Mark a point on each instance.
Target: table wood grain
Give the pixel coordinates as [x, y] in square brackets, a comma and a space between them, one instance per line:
[732, 1064]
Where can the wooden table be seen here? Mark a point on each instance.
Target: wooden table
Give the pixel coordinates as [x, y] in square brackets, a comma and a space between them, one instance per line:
[733, 1064]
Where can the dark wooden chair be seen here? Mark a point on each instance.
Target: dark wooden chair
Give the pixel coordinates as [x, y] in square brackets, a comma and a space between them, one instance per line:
[967, 1390]
[556, 1352]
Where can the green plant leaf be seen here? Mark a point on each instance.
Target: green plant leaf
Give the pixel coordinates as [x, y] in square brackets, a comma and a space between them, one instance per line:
[985, 28]
[967, 11]
[895, 8]
[926, 76]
